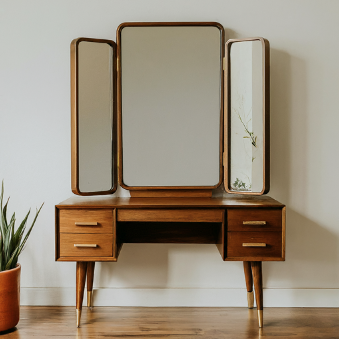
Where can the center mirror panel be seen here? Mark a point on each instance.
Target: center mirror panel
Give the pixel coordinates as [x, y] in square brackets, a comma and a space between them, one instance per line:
[170, 105]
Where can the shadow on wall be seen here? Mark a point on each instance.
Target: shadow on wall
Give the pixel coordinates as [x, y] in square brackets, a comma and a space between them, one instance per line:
[148, 263]
[308, 244]
[311, 252]
[319, 245]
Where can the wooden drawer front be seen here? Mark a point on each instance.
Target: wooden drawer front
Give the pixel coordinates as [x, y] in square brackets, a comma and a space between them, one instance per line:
[169, 215]
[254, 219]
[237, 241]
[104, 244]
[80, 220]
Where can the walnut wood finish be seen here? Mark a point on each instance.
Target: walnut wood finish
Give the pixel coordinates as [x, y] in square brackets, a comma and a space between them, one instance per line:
[249, 283]
[90, 278]
[80, 285]
[266, 116]
[75, 117]
[119, 96]
[171, 215]
[273, 240]
[232, 200]
[236, 219]
[69, 218]
[257, 278]
[90, 275]
[88, 259]
[125, 209]
[177, 220]
[104, 244]
[172, 194]
[248, 276]
[283, 245]
[221, 237]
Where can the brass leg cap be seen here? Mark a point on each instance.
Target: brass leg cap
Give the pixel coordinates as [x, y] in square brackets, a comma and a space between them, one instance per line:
[78, 317]
[90, 299]
[250, 299]
[260, 318]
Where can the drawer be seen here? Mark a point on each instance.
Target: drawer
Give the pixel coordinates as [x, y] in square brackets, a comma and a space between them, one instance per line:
[86, 220]
[103, 245]
[171, 215]
[245, 244]
[254, 219]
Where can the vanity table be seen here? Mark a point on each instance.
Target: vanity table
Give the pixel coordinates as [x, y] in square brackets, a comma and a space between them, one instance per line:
[170, 112]
[248, 229]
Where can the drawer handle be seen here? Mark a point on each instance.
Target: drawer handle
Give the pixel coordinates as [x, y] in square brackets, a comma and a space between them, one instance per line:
[85, 245]
[253, 244]
[254, 223]
[81, 223]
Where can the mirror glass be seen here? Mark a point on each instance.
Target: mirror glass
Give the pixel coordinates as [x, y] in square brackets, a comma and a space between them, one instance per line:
[246, 117]
[95, 116]
[171, 105]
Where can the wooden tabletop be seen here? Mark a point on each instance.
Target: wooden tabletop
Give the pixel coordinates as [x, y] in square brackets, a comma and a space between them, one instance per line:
[121, 202]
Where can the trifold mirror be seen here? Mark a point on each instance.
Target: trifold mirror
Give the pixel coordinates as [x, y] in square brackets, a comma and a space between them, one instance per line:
[247, 121]
[93, 116]
[178, 129]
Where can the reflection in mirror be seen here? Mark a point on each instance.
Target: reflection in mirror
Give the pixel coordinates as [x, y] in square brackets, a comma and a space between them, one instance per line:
[95, 111]
[171, 105]
[247, 117]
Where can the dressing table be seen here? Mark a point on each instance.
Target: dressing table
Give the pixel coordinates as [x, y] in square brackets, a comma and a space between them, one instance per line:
[170, 143]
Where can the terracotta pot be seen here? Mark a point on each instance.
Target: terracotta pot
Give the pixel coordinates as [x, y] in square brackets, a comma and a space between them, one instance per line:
[9, 298]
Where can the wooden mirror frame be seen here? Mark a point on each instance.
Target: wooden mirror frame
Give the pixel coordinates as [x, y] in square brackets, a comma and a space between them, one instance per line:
[163, 191]
[75, 118]
[266, 116]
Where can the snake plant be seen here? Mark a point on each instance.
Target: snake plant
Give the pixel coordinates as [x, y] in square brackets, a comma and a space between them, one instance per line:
[12, 241]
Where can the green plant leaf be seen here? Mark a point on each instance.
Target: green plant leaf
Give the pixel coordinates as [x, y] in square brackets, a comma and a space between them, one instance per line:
[29, 231]
[11, 243]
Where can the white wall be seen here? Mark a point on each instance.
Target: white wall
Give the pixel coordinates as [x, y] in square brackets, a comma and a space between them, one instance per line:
[35, 150]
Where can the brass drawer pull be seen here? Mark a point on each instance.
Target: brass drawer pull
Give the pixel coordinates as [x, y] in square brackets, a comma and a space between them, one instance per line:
[254, 223]
[253, 244]
[85, 245]
[80, 223]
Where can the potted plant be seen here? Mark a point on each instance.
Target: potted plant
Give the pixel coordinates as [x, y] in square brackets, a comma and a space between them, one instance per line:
[12, 242]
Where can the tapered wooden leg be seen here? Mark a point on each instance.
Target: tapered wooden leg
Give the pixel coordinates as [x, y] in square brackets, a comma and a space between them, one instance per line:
[80, 282]
[257, 277]
[90, 277]
[249, 283]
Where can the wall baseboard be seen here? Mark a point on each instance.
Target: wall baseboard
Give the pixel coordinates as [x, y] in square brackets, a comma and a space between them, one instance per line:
[232, 297]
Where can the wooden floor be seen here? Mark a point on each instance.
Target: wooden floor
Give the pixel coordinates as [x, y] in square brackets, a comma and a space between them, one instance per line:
[137, 322]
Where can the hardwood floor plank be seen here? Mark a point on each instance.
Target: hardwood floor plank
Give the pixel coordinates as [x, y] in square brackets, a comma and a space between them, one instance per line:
[173, 322]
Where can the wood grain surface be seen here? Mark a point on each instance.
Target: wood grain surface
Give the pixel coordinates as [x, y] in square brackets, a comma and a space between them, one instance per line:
[69, 218]
[90, 275]
[165, 215]
[172, 193]
[175, 323]
[237, 217]
[248, 276]
[104, 244]
[272, 240]
[81, 270]
[235, 201]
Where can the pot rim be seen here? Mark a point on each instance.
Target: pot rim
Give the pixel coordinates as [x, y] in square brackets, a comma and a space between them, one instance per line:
[17, 268]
